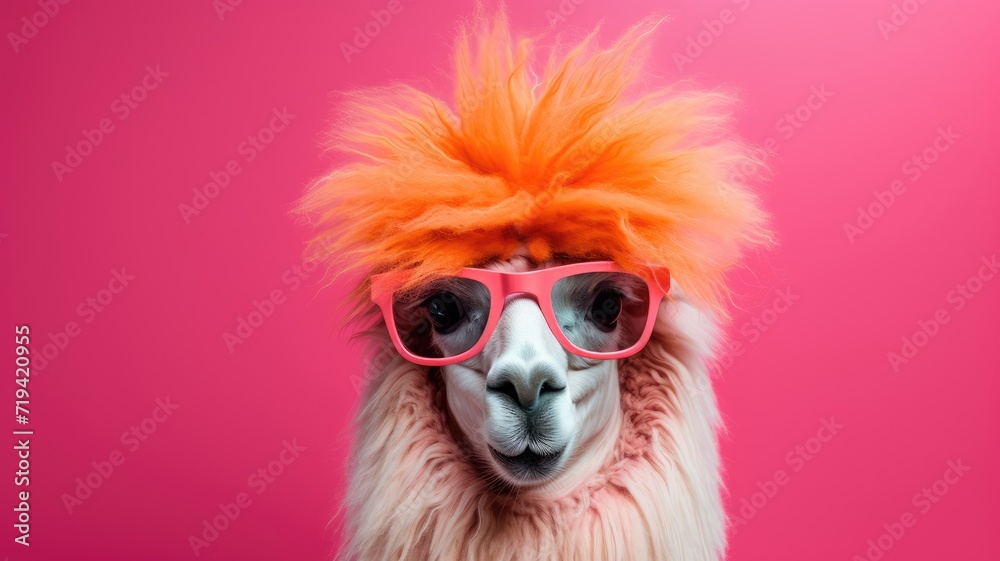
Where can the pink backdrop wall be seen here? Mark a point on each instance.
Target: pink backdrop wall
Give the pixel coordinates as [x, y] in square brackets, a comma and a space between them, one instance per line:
[886, 106]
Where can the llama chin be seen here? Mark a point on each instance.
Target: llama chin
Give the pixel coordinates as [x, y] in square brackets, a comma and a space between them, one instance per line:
[417, 491]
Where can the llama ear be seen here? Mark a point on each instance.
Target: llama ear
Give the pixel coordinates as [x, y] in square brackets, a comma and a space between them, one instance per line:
[695, 327]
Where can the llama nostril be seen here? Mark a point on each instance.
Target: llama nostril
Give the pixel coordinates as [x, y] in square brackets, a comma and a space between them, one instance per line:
[525, 384]
[528, 396]
[506, 388]
[551, 387]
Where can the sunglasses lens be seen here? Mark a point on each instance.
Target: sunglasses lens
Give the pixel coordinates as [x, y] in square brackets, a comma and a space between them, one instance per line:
[443, 318]
[601, 312]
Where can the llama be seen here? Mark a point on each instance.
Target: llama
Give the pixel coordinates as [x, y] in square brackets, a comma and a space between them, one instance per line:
[543, 274]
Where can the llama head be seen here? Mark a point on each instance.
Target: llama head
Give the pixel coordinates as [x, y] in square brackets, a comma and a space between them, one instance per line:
[530, 167]
[527, 352]
[529, 409]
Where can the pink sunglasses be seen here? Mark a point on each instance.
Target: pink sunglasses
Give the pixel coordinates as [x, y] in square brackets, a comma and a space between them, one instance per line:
[594, 309]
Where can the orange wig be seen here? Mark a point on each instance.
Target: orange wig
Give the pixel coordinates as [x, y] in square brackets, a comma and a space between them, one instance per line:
[568, 161]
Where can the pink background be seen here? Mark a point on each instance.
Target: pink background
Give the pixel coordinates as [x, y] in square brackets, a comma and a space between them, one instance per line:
[824, 356]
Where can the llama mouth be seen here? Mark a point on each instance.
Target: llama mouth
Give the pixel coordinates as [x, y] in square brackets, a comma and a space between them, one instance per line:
[528, 466]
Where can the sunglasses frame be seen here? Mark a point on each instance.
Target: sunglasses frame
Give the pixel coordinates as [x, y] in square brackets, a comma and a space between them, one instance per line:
[534, 284]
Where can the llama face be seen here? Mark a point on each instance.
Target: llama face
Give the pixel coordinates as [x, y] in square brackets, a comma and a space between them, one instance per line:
[527, 406]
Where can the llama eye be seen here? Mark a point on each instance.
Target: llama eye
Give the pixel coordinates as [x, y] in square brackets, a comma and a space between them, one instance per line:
[445, 311]
[605, 310]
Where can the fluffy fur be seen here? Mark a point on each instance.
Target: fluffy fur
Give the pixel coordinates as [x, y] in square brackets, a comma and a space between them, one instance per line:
[569, 160]
[417, 494]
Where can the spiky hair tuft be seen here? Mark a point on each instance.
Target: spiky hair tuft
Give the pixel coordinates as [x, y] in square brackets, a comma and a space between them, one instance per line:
[570, 160]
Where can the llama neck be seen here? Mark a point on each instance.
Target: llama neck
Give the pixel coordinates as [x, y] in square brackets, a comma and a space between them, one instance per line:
[415, 494]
